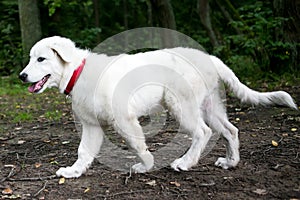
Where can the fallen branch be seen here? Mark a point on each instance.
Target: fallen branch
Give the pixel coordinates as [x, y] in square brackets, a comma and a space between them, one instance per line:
[10, 173]
[33, 178]
[128, 192]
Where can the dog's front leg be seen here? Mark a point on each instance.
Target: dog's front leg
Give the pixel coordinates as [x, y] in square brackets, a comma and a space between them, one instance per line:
[91, 140]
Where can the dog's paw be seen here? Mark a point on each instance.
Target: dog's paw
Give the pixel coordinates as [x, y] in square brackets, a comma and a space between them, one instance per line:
[224, 163]
[180, 165]
[139, 168]
[69, 172]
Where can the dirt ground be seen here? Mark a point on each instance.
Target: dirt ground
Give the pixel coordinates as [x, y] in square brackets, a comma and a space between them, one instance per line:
[32, 151]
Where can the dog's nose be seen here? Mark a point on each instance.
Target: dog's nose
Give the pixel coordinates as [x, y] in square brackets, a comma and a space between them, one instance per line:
[23, 77]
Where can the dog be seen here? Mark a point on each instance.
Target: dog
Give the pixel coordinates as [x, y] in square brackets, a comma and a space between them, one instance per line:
[189, 88]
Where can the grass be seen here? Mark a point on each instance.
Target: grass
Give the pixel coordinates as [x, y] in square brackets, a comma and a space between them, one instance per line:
[54, 115]
[22, 117]
[19, 106]
[12, 86]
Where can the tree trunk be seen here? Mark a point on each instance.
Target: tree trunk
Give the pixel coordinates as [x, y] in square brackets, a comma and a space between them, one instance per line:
[149, 13]
[97, 17]
[164, 13]
[290, 30]
[30, 25]
[204, 10]
[126, 14]
[227, 15]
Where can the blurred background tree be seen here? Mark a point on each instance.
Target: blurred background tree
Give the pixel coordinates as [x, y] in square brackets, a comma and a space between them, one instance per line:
[257, 39]
[30, 25]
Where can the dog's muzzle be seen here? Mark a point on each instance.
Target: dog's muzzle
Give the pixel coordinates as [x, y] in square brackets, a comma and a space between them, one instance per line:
[36, 86]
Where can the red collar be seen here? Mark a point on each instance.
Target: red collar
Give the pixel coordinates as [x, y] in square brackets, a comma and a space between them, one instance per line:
[74, 78]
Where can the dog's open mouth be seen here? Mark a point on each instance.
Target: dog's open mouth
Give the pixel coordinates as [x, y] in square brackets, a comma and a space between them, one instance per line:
[37, 86]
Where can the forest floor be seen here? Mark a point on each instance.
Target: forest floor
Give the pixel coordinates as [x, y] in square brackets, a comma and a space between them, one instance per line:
[38, 136]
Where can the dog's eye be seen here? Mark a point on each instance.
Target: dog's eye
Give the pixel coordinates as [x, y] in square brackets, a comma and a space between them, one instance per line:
[40, 59]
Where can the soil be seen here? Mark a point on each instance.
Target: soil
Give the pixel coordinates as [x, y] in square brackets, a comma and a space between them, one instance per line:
[32, 151]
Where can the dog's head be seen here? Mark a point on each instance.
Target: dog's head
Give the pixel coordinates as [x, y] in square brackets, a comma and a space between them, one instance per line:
[48, 60]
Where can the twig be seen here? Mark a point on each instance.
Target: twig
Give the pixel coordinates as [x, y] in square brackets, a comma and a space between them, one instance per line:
[280, 139]
[156, 177]
[266, 150]
[6, 139]
[128, 192]
[43, 188]
[10, 173]
[128, 177]
[33, 178]
[211, 183]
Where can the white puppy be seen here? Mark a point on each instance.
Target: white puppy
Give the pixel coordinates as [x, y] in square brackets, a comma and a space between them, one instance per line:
[118, 89]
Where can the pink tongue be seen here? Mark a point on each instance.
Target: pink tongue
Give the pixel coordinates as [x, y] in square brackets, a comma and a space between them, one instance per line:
[36, 87]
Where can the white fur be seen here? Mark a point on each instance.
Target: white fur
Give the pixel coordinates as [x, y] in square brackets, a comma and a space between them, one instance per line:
[93, 98]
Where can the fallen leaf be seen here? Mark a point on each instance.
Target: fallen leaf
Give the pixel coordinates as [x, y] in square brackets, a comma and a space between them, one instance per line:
[175, 183]
[65, 142]
[285, 134]
[37, 165]
[7, 191]
[21, 141]
[18, 196]
[87, 190]
[260, 191]
[274, 143]
[293, 129]
[151, 183]
[54, 162]
[61, 181]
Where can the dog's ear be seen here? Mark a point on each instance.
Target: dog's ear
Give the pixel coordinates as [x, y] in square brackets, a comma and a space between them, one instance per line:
[64, 49]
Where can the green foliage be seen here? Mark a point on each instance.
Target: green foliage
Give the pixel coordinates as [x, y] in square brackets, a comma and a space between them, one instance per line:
[257, 49]
[74, 20]
[261, 38]
[10, 38]
[52, 5]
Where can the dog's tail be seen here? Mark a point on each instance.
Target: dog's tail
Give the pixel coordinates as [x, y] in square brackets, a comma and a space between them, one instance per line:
[248, 95]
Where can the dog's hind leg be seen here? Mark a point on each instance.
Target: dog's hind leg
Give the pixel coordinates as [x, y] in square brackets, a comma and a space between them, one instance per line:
[200, 137]
[216, 118]
[132, 131]
[230, 133]
[91, 141]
